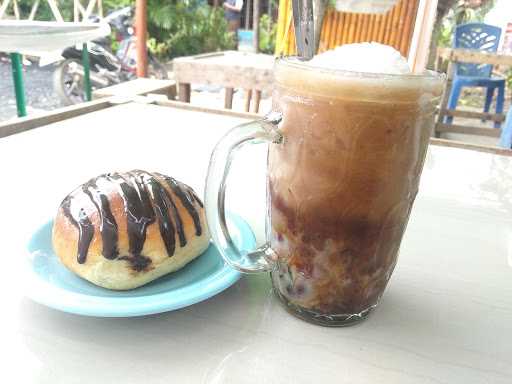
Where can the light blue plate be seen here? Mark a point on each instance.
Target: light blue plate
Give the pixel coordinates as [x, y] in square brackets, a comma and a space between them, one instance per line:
[51, 284]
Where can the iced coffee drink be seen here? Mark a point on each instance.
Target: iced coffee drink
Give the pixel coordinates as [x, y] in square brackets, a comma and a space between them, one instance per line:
[343, 180]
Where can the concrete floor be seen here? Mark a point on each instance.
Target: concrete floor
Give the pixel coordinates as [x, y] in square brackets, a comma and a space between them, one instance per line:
[39, 92]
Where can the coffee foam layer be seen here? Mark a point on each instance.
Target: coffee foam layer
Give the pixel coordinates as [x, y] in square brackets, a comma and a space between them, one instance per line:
[363, 57]
[358, 72]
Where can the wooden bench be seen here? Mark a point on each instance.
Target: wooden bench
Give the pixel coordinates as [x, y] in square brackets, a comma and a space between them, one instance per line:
[138, 87]
[251, 72]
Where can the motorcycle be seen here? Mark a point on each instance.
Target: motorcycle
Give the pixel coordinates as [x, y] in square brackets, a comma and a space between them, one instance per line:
[106, 67]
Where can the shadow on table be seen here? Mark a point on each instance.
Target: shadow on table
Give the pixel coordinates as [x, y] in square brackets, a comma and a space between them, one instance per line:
[244, 333]
[172, 343]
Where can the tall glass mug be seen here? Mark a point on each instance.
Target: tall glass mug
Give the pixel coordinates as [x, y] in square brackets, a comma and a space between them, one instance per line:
[344, 162]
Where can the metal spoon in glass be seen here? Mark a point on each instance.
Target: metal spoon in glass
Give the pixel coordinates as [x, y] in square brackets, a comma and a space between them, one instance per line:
[304, 28]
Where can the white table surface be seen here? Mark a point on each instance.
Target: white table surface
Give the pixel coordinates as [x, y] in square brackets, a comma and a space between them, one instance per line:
[446, 316]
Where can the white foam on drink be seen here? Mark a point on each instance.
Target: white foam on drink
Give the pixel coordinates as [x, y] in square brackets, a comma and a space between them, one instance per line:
[363, 57]
[368, 72]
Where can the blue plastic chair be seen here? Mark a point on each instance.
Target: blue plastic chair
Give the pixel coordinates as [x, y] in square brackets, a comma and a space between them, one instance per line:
[506, 133]
[481, 37]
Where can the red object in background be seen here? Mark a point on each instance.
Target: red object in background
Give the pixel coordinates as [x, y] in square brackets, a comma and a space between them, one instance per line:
[140, 33]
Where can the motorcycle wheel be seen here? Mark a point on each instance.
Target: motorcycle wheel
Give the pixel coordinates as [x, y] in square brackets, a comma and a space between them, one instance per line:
[69, 85]
[156, 70]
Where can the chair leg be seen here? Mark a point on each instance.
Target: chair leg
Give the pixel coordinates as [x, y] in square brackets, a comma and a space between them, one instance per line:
[228, 98]
[247, 101]
[488, 101]
[256, 101]
[506, 133]
[500, 100]
[454, 98]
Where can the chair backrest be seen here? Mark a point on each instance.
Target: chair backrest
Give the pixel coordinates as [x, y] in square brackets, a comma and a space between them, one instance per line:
[477, 36]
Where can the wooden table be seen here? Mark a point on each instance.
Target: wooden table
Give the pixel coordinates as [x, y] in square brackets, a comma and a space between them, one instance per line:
[446, 316]
[453, 56]
[230, 69]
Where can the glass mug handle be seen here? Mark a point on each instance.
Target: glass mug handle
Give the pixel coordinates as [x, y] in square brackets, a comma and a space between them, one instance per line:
[255, 132]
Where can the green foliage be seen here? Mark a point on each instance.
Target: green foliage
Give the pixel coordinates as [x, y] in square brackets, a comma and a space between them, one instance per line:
[176, 27]
[111, 5]
[268, 31]
[44, 12]
[463, 11]
[159, 49]
[181, 28]
[472, 10]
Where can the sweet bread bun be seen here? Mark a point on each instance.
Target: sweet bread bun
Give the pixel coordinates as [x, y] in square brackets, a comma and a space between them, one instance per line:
[123, 230]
